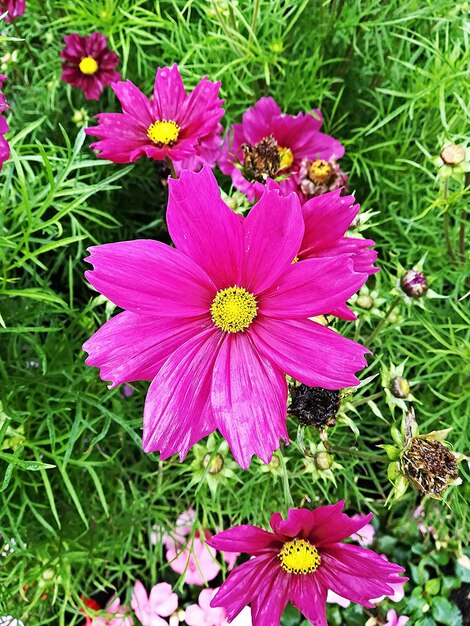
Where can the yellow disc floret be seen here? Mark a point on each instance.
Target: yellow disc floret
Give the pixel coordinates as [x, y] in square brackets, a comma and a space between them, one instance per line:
[320, 172]
[287, 158]
[233, 309]
[164, 132]
[299, 557]
[88, 66]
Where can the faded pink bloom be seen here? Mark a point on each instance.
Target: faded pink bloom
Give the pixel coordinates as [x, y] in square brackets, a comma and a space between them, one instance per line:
[218, 321]
[196, 560]
[318, 177]
[175, 125]
[334, 598]
[150, 609]
[202, 614]
[269, 144]
[4, 147]
[15, 8]
[301, 559]
[116, 615]
[365, 536]
[394, 620]
[89, 64]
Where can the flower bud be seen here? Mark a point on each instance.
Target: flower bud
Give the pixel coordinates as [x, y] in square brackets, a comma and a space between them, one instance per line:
[414, 284]
[314, 406]
[323, 460]
[215, 465]
[453, 154]
[400, 387]
[365, 301]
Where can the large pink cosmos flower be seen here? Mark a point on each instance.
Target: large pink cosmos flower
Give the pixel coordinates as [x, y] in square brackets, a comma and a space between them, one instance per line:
[177, 125]
[299, 562]
[89, 64]
[15, 8]
[151, 609]
[269, 143]
[4, 147]
[218, 321]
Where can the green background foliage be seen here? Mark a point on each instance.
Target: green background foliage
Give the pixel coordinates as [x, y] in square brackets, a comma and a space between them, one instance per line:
[78, 495]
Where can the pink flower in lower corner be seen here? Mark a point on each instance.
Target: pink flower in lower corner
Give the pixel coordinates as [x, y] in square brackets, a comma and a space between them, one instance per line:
[176, 125]
[218, 321]
[115, 614]
[365, 536]
[151, 609]
[270, 144]
[14, 8]
[4, 146]
[202, 614]
[89, 64]
[299, 562]
[394, 620]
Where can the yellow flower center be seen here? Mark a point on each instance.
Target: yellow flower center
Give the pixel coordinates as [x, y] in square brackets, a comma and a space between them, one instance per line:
[287, 158]
[299, 557]
[233, 309]
[296, 260]
[320, 172]
[88, 66]
[163, 132]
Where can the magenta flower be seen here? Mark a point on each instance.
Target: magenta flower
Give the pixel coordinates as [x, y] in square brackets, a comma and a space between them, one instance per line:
[151, 609]
[298, 562]
[177, 125]
[14, 8]
[4, 147]
[271, 144]
[89, 64]
[218, 321]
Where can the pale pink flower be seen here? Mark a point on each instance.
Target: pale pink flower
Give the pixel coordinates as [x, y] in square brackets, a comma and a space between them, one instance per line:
[150, 609]
[116, 615]
[196, 561]
[202, 614]
[364, 536]
[334, 598]
[394, 620]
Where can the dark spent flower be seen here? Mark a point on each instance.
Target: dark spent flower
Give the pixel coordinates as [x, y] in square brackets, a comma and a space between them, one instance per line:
[414, 283]
[429, 465]
[314, 406]
[320, 176]
[262, 160]
[89, 64]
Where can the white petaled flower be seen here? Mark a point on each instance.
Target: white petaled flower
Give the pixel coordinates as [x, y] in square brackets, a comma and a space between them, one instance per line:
[9, 620]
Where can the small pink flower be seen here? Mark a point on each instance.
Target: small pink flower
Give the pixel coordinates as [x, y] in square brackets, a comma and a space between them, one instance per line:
[202, 614]
[394, 620]
[89, 64]
[15, 8]
[334, 598]
[268, 143]
[4, 146]
[298, 562]
[365, 536]
[183, 127]
[196, 560]
[116, 615]
[217, 321]
[150, 610]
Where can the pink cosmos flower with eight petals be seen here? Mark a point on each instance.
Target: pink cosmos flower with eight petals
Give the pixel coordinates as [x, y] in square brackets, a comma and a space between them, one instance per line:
[299, 562]
[217, 322]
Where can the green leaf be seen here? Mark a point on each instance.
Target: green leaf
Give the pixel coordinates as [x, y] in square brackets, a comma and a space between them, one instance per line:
[432, 586]
[444, 612]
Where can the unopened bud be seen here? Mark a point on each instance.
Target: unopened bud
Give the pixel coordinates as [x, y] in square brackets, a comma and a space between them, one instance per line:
[216, 464]
[365, 301]
[414, 284]
[323, 460]
[453, 154]
[400, 387]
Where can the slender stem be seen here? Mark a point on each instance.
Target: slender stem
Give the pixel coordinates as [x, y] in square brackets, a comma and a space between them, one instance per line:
[445, 193]
[171, 167]
[382, 322]
[462, 239]
[254, 19]
[285, 482]
[367, 456]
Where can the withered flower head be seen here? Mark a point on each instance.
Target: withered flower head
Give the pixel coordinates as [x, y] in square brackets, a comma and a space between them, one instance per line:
[314, 406]
[429, 465]
[320, 176]
[262, 160]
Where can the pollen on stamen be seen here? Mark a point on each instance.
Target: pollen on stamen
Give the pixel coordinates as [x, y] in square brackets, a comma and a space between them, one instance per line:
[233, 309]
[287, 158]
[163, 132]
[88, 66]
[299, 557]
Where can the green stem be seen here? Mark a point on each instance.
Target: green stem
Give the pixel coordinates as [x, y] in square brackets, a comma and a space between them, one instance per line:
[254, 19]
[462, 240]
[367, 456]
[450, 250]
[285, 482]
[382, 322]
[171, 167]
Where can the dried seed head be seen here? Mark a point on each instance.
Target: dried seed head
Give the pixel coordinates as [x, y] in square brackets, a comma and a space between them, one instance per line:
[400, 387]
[261, 161]
[318, 177]
[314, 406]
[453, 154]
[429, 465]
[414, 284]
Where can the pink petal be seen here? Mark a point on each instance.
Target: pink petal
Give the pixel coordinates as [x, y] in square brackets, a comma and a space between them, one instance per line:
[309, 597]
[243, 584]
[177, 410]
[149, 277]
[249, 399]
[194, 615]
[273, 594]
[123, 139]
[327, 218]
[257, 121]
[300, 134]
[312, 287]
[202, 110]
[330, 525]
[273, 232]
[309, 352]
[248, 539]
[169, 94]
[133, 347]
[134, 103]
[299, 523]
[162, 599]
[203, 227]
